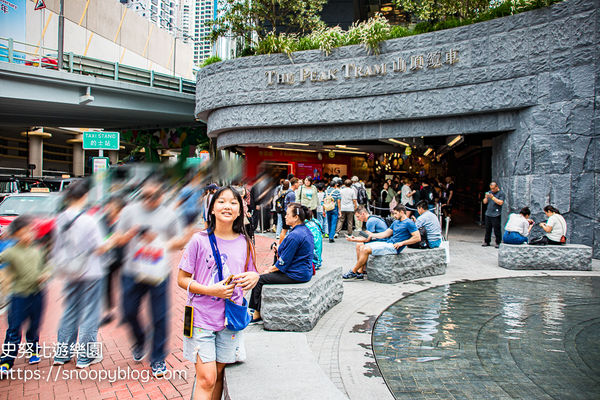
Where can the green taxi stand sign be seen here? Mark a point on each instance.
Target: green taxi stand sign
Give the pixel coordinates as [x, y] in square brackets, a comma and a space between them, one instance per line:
[93, 140]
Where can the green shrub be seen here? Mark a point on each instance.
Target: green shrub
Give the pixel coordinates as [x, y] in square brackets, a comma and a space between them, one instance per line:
[211, 60]
[377, 29]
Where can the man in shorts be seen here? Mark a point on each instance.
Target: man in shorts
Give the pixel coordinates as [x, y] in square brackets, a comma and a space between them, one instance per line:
[400, 234]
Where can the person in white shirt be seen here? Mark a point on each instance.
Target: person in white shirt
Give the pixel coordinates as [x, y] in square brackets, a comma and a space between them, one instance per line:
[407, 195]
[348, 206]
[555, 228]
[518, 227]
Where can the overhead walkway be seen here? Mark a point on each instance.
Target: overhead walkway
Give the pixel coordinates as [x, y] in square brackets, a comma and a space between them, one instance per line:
[87, 92]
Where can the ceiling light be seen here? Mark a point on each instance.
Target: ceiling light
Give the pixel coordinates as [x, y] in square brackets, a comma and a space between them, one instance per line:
[343, 146]
[288, 149]
[455, 140]
[429, 150]
[386, 9]
[297, 144]
[399, 142]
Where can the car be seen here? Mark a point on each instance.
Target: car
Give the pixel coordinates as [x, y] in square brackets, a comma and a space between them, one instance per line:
[59, 184]
[42, 206]
[48, 61]
[17, 184]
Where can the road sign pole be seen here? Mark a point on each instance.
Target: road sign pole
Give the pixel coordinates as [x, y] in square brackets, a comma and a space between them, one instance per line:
[61, 34]
[101, 153]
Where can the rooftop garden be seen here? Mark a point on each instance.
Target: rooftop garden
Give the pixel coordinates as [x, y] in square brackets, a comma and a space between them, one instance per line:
[287, 26]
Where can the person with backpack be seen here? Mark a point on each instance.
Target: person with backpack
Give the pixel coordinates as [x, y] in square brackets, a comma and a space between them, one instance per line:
[427, 193]
[373, 224]
[217, 266]
[25, 264]
[401, 233]
[362, 199]
[321, 216]
[332, 206]
[151, 231]
[77, 255]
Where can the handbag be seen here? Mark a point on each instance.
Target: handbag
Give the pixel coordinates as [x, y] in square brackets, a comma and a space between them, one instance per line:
[237, 316]
[563, 238]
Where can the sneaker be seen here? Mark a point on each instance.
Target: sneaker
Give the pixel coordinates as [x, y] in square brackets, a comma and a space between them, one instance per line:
[497, 246]
[4, 368]
[326, 235]
[138, 353]
[277, 237]
[335, 236]
[350, 275]
[60, 362]
[360, 276]
[87, 362]
[331, 241]
[159, 369]
[34, 359]
[485, 245]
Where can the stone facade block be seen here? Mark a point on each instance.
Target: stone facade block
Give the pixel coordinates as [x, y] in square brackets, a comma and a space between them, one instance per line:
[540, 69]
[572, 257]
[408, 265]
[298, 307]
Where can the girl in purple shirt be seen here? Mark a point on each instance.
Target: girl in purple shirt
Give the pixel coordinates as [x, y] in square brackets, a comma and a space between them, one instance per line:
[212, 345]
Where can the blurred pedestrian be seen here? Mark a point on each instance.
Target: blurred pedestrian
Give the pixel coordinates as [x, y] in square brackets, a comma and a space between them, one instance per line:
[77, 255]
[148, 221]
[25, 264]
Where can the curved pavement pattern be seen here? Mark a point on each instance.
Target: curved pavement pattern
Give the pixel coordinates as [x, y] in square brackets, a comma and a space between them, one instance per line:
[527, 337]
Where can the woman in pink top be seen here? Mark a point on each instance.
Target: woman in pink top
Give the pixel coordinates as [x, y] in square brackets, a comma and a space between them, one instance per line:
[212, 345]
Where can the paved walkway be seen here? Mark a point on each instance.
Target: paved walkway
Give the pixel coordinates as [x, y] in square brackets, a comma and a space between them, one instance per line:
[57, 383]
[341, 341]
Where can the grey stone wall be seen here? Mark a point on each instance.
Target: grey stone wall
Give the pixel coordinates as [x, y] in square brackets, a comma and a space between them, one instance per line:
[532, 77]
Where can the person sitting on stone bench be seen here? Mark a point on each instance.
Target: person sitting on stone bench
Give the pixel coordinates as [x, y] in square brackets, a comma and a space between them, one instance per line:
[295, 256]
[401, 233]
[518, 227]
[429, 223]
[373, 224]
[555, 228]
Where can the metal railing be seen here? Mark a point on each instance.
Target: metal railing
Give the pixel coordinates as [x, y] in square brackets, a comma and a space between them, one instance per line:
[13, 51]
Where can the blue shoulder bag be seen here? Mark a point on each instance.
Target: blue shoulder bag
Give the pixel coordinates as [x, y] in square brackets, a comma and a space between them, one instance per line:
[237, 316]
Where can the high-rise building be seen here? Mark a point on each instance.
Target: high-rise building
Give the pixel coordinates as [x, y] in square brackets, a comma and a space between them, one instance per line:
[194, 15]
[163, 13]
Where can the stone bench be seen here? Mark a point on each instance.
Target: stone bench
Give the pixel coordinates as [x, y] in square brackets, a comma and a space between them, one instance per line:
[574, 257]
[408, 265]
[298, 307]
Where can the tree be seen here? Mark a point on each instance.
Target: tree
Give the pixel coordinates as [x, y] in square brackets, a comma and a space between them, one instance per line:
[438, 10]
[255, 19]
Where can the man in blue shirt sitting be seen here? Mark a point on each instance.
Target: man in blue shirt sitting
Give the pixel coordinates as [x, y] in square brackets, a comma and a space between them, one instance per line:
[402, 233]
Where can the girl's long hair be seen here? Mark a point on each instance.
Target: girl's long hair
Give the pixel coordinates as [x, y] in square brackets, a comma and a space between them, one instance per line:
[238, 223]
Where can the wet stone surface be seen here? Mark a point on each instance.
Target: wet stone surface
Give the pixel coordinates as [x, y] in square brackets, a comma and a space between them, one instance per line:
[526, 338]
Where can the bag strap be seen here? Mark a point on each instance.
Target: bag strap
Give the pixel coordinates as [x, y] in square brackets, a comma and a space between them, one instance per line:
[69, 224]
[216, 254]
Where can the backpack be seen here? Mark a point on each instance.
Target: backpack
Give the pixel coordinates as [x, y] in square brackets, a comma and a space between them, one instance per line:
[361, 195]
[150, 262]
[280, 202]
[424, 243]
[69, 260]
[328, 201]
[388, 220]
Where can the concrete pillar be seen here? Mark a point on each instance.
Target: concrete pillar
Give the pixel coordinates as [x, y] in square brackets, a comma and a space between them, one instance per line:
[78, 155]
[36, 149]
